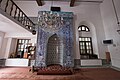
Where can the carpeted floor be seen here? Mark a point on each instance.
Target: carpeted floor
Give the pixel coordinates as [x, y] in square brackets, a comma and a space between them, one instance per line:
[82, 74]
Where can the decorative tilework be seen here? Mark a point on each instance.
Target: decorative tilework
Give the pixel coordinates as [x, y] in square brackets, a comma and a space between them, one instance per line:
[66, 36]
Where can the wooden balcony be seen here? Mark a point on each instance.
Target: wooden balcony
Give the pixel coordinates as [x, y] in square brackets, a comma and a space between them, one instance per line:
[9, 9]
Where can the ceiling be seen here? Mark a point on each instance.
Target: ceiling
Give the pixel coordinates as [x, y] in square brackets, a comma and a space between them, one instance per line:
[72, 2]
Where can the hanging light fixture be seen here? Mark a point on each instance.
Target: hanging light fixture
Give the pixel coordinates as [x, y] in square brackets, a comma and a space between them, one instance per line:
[50, 20]
[116, 17]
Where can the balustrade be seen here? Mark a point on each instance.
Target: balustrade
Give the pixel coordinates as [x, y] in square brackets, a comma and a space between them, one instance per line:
[14, 11]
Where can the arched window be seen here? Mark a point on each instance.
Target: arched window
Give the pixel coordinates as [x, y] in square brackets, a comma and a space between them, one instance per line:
[85, 43]
[83, 28]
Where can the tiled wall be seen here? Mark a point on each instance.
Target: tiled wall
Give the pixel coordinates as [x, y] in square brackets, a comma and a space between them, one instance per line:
[54, 50]
[65, 35]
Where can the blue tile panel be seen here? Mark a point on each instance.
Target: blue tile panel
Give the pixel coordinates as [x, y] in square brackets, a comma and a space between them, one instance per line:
[65, 34]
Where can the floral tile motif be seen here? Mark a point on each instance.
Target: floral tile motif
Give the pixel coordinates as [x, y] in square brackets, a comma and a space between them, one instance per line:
[65, 34]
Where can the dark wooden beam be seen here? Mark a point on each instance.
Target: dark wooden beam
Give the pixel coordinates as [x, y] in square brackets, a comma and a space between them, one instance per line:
[39, 2]
[72, 3]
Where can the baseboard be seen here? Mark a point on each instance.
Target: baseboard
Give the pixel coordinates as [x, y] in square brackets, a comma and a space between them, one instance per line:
[91, 62]
[116, 68]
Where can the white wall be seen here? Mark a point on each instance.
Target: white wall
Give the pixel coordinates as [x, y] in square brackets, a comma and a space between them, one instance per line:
[13, 46]
[4, 47]
[8, 46]
[7, 51]
[89, 12]
[1, 38]
[33, 41]
[2, 34]
[110, 27]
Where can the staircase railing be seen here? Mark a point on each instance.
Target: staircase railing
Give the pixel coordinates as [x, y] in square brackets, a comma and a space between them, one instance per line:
[14, 11]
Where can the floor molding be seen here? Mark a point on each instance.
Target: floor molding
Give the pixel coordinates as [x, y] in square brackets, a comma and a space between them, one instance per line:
[116, 68]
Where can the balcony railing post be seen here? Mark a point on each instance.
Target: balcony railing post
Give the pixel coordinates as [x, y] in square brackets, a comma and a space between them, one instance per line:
[11, 9]
[15, 12]
[18, 15]
[21, 18]
[0, 2]
[6, 6]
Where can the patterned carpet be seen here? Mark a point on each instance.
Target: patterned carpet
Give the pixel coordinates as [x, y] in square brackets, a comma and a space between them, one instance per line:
[82, 74]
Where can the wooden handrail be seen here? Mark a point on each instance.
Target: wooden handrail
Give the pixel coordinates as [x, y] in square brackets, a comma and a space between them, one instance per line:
[14, 11]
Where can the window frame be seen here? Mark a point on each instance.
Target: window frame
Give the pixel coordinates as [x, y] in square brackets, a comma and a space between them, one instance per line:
[23, 43]
[85, 48]
[86, 29]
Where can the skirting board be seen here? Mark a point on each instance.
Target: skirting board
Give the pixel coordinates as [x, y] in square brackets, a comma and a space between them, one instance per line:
[87, 62]
[91, 62]
[17, 62]
[116, 68]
